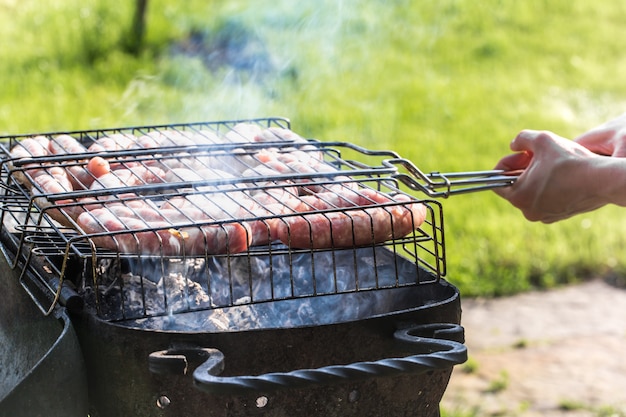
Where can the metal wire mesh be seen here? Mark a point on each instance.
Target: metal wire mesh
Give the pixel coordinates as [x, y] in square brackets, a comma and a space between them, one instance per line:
[209, 218]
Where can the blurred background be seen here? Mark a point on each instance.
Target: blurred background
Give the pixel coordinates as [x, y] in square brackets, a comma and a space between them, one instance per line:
[446, 84]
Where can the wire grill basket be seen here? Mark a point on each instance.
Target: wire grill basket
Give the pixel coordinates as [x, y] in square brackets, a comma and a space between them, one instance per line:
[258, 176]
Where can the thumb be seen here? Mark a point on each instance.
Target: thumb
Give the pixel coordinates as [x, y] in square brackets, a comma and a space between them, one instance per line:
[526, 140]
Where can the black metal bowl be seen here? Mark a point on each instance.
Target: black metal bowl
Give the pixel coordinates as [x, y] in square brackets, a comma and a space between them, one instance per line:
[339, 369]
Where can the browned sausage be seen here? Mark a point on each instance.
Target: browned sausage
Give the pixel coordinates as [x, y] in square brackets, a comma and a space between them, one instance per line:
[353, 226]
[160, 237]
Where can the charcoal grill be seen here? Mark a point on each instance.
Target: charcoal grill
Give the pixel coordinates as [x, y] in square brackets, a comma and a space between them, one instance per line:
[271, 327]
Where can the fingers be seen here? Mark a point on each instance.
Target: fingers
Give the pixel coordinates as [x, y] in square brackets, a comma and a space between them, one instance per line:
[620, 151]
[608, 139]
[603, 142]
[514, 162]
[523, 145]
[526, 144]
[597, 141]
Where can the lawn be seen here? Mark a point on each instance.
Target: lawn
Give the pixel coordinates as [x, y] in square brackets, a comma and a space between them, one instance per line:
[446, 84]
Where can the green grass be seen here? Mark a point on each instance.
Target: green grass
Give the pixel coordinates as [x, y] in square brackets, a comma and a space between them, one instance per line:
[446, 84]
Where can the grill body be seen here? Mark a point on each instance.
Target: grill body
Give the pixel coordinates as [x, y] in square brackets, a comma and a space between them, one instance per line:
[42, 371]
[121, 383]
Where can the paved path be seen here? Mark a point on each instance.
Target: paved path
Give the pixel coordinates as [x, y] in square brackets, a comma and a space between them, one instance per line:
[554, 353]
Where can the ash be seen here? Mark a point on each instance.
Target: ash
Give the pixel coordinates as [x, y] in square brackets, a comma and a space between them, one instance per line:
[249, 291]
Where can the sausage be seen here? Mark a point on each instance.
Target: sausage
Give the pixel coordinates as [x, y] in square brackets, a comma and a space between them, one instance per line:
[51, 181]
[29, 148]
[175, 175]
[45, 181]
[276, 134]
[129, 177]
[288, 211]
[300, 162]
[352, 227]
[162, 238]
[243, 132]
[77, 171]
[264, 171]
[329, 200]
[98, 166]
[212, 206]
[114, 142]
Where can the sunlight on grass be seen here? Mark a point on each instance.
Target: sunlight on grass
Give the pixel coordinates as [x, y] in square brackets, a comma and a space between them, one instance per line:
[445, 84]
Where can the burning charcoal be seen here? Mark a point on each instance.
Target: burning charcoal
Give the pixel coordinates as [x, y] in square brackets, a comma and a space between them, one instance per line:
[182, 285]
[303, 275]
[237, 280]
[219, 286]
[147, 267]
[254, 283]
[161, 287]
[340, 266]
[216, 320]
[233, 318]
[305, 311]
[281, 284]
[183, 294]
[140, 296]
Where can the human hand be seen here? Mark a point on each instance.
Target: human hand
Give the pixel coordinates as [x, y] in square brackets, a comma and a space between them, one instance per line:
[561, 177]
[607, 139]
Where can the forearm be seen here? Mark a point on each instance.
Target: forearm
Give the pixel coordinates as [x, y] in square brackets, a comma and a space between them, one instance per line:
[610, 179]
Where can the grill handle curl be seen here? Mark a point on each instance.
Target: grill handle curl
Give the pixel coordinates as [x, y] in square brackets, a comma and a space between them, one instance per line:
[441, 348]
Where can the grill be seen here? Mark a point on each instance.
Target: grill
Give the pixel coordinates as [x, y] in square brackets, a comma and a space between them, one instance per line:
[294, 276]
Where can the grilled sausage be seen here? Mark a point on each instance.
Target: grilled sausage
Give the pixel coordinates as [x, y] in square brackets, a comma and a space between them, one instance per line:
[28, 148]
[353, 226]
[77, 171]
[138, 235]
[114, 142]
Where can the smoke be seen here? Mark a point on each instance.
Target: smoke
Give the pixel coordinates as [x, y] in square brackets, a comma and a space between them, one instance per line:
[249, 63]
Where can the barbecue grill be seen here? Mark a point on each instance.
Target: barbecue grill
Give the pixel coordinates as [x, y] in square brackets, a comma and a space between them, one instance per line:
[289, 301]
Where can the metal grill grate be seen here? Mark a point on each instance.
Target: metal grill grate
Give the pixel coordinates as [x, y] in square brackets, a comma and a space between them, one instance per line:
[270, 228]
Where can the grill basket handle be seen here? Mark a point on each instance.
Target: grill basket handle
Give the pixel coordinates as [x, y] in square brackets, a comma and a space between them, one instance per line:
[443, 185]
[441, 348]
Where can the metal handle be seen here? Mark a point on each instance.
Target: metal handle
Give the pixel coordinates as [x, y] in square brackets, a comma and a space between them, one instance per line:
[176, 360]
[437, 184]
[441, 350]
